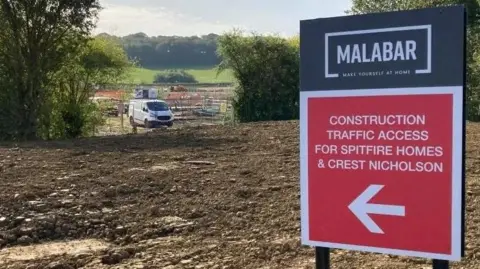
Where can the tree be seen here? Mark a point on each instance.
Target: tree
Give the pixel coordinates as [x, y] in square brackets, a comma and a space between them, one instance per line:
[36, 38]
[473, 36]
[267, 71]
[100, 61]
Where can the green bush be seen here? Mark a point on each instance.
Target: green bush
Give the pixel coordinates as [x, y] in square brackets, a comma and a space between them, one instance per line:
[267, 72]
[174, 76]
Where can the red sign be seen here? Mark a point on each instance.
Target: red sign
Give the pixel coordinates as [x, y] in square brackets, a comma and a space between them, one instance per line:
[381, 171]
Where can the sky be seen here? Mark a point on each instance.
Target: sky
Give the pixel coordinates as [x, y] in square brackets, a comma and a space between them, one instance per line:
[200, 17]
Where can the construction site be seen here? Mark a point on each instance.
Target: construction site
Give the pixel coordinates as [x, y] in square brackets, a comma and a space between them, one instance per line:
[194, 106]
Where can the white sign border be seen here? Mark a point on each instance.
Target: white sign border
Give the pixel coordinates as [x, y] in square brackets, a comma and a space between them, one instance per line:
[427, 27]
[457, 171]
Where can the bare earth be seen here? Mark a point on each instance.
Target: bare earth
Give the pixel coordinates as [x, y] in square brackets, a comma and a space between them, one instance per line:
[198, 197]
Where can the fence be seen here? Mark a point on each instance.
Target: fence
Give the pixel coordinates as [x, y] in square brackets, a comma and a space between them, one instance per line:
[196, 106]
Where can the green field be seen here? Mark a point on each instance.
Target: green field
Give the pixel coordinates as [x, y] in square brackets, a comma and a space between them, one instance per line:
[146, 76]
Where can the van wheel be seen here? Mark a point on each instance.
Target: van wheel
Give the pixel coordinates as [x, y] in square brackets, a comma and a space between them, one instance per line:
[132, 122]
[147, 124]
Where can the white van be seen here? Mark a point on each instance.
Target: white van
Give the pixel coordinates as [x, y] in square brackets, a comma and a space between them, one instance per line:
[149, 113]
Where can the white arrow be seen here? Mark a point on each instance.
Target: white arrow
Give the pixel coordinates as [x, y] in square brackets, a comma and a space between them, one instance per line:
[361, 208]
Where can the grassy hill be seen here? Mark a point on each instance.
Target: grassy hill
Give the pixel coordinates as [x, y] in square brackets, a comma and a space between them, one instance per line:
[203, 75]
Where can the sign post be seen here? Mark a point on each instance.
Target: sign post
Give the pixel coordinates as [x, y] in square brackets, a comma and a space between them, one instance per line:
[121, 111]
[382, 134]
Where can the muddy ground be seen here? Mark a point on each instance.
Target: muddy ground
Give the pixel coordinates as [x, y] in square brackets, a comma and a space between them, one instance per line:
[200, 197]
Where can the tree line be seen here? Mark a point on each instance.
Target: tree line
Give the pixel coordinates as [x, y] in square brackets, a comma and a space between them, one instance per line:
[170, 52]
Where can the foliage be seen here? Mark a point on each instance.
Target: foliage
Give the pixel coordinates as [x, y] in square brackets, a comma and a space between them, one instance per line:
[267, 71]
[473, 36]
[100, 61]
[49, 66]
[174, 76]
[168, 52]
[36, 38]
[72, 120]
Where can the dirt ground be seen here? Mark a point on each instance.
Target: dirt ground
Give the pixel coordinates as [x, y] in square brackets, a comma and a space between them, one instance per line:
[113, 125]
[197, 197]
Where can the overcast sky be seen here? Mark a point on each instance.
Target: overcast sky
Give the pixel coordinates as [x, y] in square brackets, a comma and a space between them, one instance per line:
[197, 17]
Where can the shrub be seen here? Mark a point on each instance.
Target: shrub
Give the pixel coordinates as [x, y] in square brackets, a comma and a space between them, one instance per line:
[267, 72]
[174, 76]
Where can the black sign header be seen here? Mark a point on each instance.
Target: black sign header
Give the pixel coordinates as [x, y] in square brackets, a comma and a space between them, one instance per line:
[385, 50]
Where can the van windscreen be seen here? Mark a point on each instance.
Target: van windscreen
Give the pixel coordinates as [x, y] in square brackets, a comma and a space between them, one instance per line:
[157, 106]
